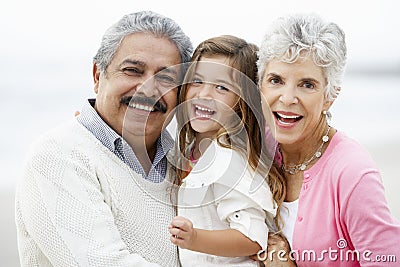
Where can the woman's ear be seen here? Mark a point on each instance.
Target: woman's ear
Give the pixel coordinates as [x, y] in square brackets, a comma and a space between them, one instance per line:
[327, 105]
[96, 77]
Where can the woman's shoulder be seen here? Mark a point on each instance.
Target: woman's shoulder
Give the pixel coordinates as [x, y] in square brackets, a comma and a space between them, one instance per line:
[346, 152]
[346, 161]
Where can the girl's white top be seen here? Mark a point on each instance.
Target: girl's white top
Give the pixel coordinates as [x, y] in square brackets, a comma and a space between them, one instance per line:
[222, 192]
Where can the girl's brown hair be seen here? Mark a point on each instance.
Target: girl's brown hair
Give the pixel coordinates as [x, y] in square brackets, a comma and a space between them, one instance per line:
[249, 136]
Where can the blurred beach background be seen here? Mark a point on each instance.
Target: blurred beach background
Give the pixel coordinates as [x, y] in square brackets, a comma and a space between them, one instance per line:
[46, 64]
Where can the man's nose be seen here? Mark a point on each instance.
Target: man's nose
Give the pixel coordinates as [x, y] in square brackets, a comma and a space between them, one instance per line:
[147, 87]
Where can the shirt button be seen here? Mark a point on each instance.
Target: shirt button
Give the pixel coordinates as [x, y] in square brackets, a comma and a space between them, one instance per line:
[236, 216]
[299, 218]
[305, 186]
[307, 175]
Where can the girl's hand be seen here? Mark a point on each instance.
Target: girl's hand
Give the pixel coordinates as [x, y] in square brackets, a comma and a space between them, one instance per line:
[277, 252]
[182, 232]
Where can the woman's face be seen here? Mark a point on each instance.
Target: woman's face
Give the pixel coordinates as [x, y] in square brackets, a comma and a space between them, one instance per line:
[295, 93]
[211, 96]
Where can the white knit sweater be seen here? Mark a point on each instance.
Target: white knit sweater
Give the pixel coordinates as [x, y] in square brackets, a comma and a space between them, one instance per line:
[78, 204]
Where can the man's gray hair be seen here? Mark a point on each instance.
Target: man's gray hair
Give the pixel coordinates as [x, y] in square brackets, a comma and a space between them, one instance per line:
[147, 22]
[294, 36]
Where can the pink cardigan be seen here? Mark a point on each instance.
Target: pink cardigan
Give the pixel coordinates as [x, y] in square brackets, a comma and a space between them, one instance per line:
[342, 208]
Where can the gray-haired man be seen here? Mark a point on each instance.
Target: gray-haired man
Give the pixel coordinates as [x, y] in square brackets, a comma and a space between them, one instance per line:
[94, 191]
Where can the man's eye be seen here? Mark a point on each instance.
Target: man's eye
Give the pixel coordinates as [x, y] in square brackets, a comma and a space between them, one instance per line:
[166, 80]
[131, 71]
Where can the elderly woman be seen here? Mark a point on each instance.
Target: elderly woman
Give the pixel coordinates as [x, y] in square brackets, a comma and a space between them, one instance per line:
[335, 212]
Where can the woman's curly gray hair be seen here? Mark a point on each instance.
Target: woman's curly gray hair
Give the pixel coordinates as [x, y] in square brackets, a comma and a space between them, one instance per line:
[294, 36]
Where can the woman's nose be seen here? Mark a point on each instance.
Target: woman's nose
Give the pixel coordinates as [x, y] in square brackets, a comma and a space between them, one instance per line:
[288, 95]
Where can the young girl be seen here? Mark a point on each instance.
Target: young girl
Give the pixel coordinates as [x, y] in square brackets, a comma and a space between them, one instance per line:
[224, 202]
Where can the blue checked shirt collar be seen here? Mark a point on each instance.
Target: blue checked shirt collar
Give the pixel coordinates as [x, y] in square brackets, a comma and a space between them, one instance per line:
[116, 144]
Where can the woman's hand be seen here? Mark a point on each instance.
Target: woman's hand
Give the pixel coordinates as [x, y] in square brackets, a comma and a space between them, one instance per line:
[277, 254]
[182, 232]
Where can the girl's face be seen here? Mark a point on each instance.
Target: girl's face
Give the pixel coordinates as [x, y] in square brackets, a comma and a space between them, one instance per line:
[211, 96]
[295, 93]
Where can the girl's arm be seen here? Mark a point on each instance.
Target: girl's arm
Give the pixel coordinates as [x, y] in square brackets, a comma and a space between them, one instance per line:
[226, 243]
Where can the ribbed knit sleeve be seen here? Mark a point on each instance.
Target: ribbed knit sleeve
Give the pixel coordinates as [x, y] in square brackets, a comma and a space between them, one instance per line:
[66, 212]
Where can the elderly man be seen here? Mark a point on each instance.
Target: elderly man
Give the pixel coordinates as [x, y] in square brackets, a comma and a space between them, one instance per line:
[94, 191]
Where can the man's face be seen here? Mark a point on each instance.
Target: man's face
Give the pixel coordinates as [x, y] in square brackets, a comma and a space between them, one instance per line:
[139, 69]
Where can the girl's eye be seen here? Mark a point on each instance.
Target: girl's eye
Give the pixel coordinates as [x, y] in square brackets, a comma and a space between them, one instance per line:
[221, 87]
[197, 81]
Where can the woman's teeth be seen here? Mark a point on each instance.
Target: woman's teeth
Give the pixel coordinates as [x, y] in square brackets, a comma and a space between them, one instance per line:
[287, 119]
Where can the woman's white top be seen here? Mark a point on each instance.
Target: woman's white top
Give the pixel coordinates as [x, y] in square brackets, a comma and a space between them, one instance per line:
[222, 192]
[288, 214]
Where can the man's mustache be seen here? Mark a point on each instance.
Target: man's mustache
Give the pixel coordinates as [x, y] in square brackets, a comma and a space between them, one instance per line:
[148, 101]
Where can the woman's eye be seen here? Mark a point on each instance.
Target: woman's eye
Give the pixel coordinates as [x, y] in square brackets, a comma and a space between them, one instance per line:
[221, 87]
[275, 80]
[308, 85]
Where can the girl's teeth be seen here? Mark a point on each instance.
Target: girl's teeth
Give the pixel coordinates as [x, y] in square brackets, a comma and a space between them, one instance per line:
[203, 112]
[204, 109]
[202, 115]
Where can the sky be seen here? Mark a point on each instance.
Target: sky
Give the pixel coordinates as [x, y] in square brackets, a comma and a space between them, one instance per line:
[48, 43]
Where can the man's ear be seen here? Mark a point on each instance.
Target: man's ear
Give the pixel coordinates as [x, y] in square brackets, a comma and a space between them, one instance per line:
[96, 77]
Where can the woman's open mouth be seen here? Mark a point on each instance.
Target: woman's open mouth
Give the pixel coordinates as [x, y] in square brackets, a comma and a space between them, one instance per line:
[286, 118]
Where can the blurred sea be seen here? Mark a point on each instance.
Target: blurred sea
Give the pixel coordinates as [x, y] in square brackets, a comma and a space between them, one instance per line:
[365, 110]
